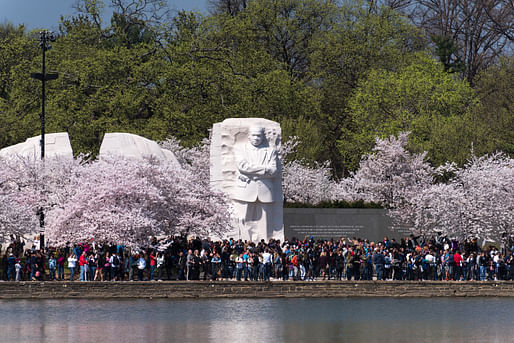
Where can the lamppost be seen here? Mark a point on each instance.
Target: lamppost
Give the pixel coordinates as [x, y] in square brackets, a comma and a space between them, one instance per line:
[45, 37]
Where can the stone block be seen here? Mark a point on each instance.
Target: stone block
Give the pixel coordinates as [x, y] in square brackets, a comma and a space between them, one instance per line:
[56, 145]
[133, 146]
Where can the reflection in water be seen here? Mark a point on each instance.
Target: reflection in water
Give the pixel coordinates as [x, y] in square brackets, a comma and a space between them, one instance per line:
[258, 320]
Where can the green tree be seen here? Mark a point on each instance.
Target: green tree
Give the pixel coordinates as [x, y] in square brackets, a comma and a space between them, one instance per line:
[420, 97]
[446, 49]
[493, 120]
[19, 96]
[217, 69]
[334, 74]
[366, 36]
[107, 81]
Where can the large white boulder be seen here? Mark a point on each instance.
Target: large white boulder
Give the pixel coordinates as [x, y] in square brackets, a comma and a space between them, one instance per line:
[56, 145]
[133, 146]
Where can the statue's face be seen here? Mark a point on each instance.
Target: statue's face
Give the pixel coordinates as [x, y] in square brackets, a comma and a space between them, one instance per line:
[255, 137]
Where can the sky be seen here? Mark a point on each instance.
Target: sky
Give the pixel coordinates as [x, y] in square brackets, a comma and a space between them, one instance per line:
[45, 14]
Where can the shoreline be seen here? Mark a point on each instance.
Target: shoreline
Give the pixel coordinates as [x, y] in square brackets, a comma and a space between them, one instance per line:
[251, 289]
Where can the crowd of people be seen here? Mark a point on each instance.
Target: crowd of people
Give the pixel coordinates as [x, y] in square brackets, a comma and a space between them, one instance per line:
[180, 258]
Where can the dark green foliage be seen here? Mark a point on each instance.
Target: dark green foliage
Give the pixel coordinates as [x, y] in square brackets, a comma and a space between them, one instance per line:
[334, 75]
[445, 49]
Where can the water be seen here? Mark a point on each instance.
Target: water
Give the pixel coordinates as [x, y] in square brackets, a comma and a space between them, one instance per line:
[258, 320]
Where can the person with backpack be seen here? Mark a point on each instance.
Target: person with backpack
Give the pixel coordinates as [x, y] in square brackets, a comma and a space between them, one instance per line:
[115, 265]
[255, 267]
[367, 266]
[483, 263]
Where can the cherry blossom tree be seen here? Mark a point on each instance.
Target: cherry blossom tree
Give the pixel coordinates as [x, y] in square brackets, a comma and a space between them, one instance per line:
[434, 210]
[27, 186]
[127, 201]
[195, 159]
[187, 196]
[109, 203]
[477, 201]
[15, 215]
[304, 183]
[391, 175]
[488, 185]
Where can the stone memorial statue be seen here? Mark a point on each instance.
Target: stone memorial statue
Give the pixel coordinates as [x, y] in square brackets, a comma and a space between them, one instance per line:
[245, 164]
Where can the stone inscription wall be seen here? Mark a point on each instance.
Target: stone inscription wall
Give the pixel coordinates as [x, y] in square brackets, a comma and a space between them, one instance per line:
[372, 224]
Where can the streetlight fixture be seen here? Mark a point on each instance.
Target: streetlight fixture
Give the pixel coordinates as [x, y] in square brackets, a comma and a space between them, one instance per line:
[45, 37]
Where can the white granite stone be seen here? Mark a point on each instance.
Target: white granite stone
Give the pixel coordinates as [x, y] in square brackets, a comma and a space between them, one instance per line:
[56, 145]
[133, 146]
[245, 165]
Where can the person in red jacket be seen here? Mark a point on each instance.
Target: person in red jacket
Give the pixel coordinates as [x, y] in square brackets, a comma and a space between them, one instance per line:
[153, 264]
[457, 263]
[83, 266]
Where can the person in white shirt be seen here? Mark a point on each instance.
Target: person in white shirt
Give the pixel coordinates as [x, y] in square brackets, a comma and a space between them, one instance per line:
[72, 264]
[266, 260]
[18, 268]
[160, 264]
[141, 265]
[239, 266]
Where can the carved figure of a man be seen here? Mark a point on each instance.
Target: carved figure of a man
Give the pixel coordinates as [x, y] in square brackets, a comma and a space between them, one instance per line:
[255, 193]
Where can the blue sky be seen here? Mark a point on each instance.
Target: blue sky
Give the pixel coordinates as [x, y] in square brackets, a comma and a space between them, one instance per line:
[45, 14]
